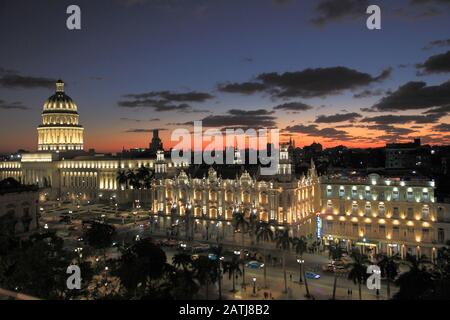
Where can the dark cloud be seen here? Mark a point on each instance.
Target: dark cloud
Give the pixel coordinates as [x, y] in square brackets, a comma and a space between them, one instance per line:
[157, 105]
[437, 43]
[293, 106]
[140, 120]
[337, 10]
[12, 106]
[403, 119]
[338, 117]
[28, 82]
[240, 118]
[242, 88]
[7, 71]
[143, 130]
[436, 64]
[368, 93]
[314, 131]
[318, 82]
[307, 83]
[414, 95]
[421, 9]
[391, 130]
[162, 101]
[192, 96]
[443, 127]
[444, 110]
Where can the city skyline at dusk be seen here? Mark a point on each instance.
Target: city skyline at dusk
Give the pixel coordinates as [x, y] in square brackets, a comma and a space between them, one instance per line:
[319, 76]
[215, 157]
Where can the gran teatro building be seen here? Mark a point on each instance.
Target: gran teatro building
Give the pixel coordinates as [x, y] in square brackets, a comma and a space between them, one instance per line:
[65, 172]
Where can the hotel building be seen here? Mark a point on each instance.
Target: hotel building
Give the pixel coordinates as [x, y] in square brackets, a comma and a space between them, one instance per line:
[381, 214]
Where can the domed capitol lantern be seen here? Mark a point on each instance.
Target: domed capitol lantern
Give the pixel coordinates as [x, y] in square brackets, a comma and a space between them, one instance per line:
[60, 129]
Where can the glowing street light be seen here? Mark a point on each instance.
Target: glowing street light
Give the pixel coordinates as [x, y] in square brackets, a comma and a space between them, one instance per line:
[300, 262]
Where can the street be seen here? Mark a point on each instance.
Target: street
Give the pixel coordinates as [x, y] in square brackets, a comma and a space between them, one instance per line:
[128, 227]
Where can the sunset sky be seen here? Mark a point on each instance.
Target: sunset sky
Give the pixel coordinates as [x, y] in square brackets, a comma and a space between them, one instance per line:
[310, 68]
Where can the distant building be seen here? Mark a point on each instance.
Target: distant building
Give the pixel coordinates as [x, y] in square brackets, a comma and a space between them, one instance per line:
[409, 155]
[156, 143]
[18, 207]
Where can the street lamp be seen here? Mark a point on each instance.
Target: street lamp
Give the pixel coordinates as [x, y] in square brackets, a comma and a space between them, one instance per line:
[254, 286]
[300, 262]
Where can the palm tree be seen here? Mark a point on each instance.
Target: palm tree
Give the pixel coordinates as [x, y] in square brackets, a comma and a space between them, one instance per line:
[232, 268]
[283, 241]
[122, 178]
[300, 245]
[358, 270]
[389, 268]
[182, 260]
[99, 236]
[264, 233]
[218, 251]
[144, 175]
[141, 267]
[240, 223]
[142, 172]
[253, 225]
[417, 282]
[335, 253]
[133, 179]
[442, 273]
[205, 271]
[148, 180]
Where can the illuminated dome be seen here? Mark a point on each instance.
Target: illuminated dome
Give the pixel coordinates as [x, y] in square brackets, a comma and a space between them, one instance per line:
[60, 129]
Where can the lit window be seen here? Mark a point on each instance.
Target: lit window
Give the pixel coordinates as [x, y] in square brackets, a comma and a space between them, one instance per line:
[425, 212]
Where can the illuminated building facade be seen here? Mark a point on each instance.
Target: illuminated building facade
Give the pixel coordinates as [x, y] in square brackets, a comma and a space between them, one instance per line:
[211, 201]
[379, 214]
[60, 129]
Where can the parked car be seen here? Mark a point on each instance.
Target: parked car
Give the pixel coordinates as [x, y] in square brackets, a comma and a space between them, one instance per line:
[312, 275]
[254, 265]
[212, 257]
[200, 247]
